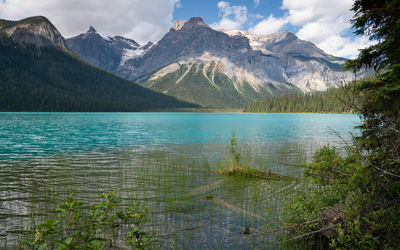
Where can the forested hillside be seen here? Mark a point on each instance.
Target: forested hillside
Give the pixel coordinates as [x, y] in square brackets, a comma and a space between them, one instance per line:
[335, 100]
[53, 79]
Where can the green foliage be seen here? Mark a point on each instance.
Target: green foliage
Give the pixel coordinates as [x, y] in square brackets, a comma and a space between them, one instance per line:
[51, 79]
[380, 21]
[320, 168]
[308, 206]
[336, 100]
[368, 178]
[79, 226]
[328, 167]
[381, 108]
[366, 201]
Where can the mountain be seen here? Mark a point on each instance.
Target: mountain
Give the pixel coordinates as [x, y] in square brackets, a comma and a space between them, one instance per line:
[304, 64]
[224, 68]
[39, 73]
[105, 51]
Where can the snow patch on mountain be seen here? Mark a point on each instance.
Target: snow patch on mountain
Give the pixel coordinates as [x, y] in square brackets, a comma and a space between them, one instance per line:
[128, 54]
[106, 37]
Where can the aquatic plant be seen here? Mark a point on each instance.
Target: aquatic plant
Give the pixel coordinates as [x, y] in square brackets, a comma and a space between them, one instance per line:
[236, 166]
[235, 152]
[186, 196]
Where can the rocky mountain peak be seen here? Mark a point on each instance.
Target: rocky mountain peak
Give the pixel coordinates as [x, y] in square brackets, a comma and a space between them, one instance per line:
[284, 35]
[36, 30]
[178, 24]
[91, 30]
[195, 21]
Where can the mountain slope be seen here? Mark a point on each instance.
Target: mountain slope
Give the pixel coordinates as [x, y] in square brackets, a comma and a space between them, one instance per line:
[41, 75]
[247, 75]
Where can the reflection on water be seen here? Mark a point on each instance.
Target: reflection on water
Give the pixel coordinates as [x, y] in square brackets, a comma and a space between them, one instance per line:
[166, 161]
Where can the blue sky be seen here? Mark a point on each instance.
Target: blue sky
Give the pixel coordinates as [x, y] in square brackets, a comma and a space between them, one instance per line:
[325, 23]
[208, 9]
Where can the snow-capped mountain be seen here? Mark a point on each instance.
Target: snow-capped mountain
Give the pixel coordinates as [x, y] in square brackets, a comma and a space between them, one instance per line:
[227, 68]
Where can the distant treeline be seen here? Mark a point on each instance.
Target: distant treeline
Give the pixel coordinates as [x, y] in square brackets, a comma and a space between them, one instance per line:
[334, 100]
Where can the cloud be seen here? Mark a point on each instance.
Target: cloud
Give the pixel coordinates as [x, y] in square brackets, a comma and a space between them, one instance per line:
[344, 46]
[137, 19]
[256, 3]
[232, 16]
[269, 25]
[325, 23]
[301, 12]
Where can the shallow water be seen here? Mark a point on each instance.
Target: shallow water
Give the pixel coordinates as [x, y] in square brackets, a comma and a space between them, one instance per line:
[165, 160]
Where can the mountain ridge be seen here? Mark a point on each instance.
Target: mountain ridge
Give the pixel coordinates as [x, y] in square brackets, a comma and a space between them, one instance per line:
[252, 66]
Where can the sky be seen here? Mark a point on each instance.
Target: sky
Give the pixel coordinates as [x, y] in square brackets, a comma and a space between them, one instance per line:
[325, 23]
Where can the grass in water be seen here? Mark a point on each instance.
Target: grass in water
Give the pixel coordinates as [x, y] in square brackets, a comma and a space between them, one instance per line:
[237, 167]
[253, 173]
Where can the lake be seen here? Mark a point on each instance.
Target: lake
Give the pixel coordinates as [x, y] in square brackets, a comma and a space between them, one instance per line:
[167, 161]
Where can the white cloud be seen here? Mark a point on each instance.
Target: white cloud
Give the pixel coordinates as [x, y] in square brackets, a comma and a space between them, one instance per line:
[233, 17]
[325, 23]
[301, 12]
[269, 25]
[256, 3]
[141, 20]
[344, 46]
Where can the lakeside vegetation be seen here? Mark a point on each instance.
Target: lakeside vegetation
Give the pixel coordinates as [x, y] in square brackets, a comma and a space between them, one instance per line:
[359, 204]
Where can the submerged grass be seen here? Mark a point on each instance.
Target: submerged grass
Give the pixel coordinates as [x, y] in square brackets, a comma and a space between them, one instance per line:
[190, 202]
[237, 166]
[247, 172]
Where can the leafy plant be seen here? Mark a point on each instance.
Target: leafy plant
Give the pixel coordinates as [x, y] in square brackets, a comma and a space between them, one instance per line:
[92, 227]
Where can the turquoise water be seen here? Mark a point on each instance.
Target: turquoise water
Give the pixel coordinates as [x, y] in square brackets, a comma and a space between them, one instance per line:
[167, 161]
[36, 134]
